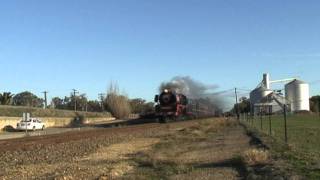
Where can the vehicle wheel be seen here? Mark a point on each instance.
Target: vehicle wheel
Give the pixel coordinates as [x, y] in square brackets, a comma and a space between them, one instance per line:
[34, 128]
[42, 128]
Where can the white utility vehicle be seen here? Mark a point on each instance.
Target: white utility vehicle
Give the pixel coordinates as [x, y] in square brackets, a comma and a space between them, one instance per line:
[31, 124]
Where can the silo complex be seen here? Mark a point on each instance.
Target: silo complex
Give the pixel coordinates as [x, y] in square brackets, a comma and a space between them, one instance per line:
[296, 95]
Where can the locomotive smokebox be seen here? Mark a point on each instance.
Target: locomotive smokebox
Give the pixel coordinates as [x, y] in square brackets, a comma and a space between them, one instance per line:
[167, 98]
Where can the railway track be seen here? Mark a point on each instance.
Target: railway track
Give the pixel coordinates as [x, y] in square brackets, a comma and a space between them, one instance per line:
[111, 130]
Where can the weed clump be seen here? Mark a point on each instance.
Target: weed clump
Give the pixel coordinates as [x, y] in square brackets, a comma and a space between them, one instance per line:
[256, 157]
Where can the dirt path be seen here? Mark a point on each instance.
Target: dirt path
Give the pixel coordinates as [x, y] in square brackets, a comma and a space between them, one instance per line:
[206, 149]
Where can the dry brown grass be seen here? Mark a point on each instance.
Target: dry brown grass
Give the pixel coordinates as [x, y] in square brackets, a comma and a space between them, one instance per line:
[181, 153]
[214, 125]
[256, 157]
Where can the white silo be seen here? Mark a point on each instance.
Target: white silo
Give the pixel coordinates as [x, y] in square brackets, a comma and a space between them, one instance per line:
[297, 95]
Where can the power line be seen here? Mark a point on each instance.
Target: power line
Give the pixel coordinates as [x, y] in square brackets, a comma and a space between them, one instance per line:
[248, 90]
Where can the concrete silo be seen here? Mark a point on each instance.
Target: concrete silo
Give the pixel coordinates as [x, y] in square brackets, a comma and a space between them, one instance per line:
[297, 95]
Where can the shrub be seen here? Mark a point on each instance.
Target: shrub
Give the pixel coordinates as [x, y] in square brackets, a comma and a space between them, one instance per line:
[256, 157]
[78, 121]
[117, 104]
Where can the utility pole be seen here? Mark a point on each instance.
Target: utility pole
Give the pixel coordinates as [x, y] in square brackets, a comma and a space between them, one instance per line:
[101, 96]
[237, 106]
[86, 105]
[319, 107]
[75, 99]
[45, 99]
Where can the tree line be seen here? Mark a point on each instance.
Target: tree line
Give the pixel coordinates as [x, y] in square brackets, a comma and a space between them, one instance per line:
[116, 103]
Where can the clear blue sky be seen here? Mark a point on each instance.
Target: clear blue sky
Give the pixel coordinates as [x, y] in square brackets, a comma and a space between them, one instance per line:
[57, 45]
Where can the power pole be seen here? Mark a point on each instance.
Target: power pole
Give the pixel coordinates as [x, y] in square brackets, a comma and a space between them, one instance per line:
[237, 106]
[75, 99]
[45, 99]
[101, 96]
[319, 107]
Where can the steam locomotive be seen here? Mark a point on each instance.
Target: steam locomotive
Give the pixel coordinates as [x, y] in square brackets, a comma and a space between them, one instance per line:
[175, 106]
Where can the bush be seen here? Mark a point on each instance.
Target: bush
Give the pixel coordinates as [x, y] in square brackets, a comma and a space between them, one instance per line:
[78, 121]
[256, 157]
[116, 103]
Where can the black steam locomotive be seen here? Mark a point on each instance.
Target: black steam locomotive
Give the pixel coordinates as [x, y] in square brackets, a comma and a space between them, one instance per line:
[175, 106]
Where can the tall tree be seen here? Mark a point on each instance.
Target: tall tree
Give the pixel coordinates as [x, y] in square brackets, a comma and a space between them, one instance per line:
[58, 103]
[6, 98]
[26, 98]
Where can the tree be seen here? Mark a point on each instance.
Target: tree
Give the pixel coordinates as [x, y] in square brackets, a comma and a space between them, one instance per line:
[244, 105]
[94, 106]
[117, 104]
[148, 108]
[315, 103]
[137, 105]
[68, 102]
[81, 102]
[140, 106]
[6, 98]
[58, 103]
[26, 98]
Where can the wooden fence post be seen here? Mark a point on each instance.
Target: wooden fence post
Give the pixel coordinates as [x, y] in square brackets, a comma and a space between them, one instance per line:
[285, 123]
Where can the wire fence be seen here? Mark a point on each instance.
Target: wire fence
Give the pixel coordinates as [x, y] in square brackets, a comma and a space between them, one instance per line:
[300, 131]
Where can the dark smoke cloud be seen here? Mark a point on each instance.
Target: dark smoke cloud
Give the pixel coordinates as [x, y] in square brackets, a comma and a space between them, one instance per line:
[194, 89]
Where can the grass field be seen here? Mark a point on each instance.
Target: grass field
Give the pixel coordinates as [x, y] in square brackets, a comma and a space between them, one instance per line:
[303, 132]
[16, 111]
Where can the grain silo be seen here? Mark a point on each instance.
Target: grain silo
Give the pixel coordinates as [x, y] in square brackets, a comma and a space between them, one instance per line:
[297, 95]
[257, 95]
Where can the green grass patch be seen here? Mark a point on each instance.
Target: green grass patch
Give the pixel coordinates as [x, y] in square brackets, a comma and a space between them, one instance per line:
[303, 148]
